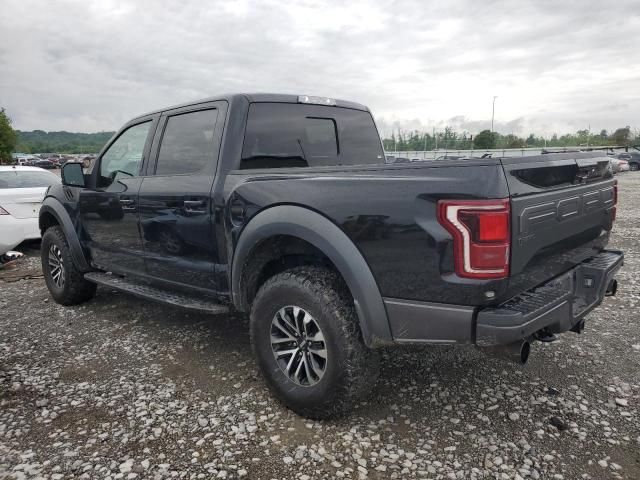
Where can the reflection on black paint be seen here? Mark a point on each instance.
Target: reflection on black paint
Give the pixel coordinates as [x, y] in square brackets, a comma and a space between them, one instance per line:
[176, 226]
[110, 221]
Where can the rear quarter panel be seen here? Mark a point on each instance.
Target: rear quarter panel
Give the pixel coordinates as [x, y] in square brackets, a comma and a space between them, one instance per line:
[389, 212]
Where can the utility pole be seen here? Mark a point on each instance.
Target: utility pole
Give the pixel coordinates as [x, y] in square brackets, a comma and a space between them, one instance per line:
[493, 111]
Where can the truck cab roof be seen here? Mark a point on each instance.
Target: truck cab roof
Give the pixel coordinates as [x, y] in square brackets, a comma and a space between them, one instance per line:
[258, 98]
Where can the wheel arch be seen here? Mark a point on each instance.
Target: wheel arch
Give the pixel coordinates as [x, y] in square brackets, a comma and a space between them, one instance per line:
[323, 236]
[53, 213]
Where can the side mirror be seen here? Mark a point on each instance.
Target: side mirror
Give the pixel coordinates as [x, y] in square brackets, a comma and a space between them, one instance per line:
[72, 175]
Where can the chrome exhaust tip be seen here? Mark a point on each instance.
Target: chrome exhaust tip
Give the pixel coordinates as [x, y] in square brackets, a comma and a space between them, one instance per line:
[517, 352]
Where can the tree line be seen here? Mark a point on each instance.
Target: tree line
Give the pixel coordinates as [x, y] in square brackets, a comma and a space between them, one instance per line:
[452, 140]
[39, 141]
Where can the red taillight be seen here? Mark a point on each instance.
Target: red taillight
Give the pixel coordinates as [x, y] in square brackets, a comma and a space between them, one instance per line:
[481, 236]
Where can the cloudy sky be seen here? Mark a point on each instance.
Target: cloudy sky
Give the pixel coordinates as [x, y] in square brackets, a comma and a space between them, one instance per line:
[556, 66]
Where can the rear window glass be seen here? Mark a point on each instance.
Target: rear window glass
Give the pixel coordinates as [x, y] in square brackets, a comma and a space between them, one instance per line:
[27, 179]
[321, 137]
[281, 135]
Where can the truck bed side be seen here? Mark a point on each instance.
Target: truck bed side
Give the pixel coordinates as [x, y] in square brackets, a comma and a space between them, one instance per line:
[389, 212]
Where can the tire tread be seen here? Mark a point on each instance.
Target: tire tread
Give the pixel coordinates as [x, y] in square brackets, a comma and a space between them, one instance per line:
[361, 365]
[76, 289]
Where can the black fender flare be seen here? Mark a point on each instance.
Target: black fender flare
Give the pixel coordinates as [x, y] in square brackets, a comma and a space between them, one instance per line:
[53, 207]
[320, 232]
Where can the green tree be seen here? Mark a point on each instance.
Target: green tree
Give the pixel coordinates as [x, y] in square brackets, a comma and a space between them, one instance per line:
[621, 136]
[485, 139]
[531, 140]
[8, 137]
[512, 141]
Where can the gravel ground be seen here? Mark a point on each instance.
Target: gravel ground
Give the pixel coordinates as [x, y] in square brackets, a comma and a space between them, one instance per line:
[121, 388]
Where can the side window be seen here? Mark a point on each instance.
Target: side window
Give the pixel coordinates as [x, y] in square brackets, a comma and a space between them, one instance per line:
[124, 156]
[187, 144]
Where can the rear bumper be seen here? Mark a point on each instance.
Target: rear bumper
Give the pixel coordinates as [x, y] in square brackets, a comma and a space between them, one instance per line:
[558, 305]
[15, 230]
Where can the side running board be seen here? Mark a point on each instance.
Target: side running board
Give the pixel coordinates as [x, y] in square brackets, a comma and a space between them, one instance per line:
[156, 294]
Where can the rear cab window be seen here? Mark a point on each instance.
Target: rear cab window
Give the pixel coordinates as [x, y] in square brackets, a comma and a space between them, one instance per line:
[284, 135]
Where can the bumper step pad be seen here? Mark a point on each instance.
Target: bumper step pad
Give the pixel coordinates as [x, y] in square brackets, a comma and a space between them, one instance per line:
[159, 295]
[554, 307]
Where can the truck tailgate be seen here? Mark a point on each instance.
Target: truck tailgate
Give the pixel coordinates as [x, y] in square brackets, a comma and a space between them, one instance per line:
[562, 208]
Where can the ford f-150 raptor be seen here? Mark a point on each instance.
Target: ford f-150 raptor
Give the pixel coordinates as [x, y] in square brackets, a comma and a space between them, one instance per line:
[283, 207]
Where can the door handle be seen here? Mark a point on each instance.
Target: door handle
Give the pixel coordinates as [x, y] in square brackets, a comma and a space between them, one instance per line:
[128, 205]
[194, 206]
[194, 203]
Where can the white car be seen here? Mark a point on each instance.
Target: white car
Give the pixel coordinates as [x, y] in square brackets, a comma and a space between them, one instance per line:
[21, 192]
[619, 165]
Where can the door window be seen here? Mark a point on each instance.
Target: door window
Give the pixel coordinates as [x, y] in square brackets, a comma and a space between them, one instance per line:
[124, 156]
[187, 143]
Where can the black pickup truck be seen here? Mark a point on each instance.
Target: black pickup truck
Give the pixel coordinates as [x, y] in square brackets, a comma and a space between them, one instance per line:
[283, 207]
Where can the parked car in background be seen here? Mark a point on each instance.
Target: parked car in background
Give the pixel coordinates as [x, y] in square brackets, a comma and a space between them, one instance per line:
[632, 159]
[48, 164]
[618, 165]
[21, 192]
[26, 159]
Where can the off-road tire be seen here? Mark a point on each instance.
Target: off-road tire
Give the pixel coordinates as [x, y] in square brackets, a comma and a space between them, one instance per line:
[351, 367]
[75, 289]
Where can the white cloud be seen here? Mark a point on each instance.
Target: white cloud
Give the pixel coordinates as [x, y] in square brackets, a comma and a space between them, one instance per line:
[555, 66]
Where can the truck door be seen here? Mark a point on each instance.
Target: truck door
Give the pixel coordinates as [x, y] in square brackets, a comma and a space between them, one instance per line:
[175, 197]
[109, 207]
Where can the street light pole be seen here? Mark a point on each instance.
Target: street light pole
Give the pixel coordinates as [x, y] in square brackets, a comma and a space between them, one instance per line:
[493, 111]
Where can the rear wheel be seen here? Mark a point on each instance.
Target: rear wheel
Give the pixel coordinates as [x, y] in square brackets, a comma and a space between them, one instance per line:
[64, 281]
[634, 167]
[308, 344]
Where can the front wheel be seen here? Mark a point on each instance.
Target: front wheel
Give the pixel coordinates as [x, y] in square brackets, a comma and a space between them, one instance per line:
[634, 167]
[305, 335]
[65, 282]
